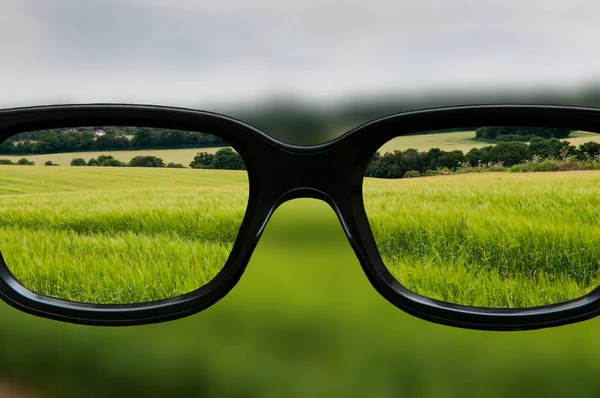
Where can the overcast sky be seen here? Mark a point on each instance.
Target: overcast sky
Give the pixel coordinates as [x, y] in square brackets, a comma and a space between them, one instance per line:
[195, 53]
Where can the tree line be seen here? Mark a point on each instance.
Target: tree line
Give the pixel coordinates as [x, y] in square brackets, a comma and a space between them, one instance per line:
[398, 163]
[519, 133]
[224, 159]
[137, 161]
[102, 138]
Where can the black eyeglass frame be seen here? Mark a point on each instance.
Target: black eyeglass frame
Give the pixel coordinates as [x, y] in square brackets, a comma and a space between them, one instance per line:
[277, 172]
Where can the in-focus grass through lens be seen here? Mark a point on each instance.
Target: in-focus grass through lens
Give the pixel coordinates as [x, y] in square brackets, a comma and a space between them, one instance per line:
[106, 229]
[488, 227]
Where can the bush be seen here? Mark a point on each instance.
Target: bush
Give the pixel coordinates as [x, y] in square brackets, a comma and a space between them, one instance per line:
[227, 159]
[412, 174]
[50, 163]
[25, 162]
[590, 150]
[172, 165]
[104, 160]
[517, 168]
[510, 153]
[6, 161]
[146, 161]
[78, 162]
[202, 160]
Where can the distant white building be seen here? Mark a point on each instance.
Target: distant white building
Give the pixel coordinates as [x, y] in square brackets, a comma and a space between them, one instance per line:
[99, 133]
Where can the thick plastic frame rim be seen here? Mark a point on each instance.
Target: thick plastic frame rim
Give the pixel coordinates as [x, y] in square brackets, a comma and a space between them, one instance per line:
[309, 172]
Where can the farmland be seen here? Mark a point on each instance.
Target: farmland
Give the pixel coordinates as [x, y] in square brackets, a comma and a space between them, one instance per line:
[492, 240]
[303, 295]
[108, 235]
[118, 235]
[463, 141]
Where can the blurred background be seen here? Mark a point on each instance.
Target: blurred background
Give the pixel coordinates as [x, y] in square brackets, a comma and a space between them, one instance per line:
[304, 320]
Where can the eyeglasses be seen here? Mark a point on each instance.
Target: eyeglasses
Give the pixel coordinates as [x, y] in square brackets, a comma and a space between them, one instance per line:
[480, 217]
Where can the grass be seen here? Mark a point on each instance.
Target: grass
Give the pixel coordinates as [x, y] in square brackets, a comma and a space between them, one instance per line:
[106, 235]
[462, 141]
[183, 156]
[492, 239]
[304, 320]
[124, 235]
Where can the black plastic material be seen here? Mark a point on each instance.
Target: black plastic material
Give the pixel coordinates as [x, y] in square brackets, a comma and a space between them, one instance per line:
[277, 172]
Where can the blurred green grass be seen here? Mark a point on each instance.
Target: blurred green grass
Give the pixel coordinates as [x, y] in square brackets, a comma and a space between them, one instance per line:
[303, 321]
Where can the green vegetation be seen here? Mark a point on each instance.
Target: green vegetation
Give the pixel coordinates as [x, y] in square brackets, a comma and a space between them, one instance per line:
[146, 161]
[182, 156]
[77, 162]
[439, 236]
[489, 158]
[463, 141]
[319, 309]
[97, 235]
[494, 240]
[304, 320]
[223, 159]
[101, 138]
[519, 133]
[102, 160]
[25, 162]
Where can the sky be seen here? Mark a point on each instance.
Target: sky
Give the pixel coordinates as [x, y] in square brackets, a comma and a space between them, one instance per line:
[206, 53]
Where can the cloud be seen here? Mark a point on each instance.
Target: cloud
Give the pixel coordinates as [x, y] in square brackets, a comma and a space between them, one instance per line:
[189, 52]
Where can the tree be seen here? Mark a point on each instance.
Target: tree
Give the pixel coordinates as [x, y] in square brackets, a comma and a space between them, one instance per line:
[146, 161]
[142, 138]
[451, 160]
[552, 148]
[112, 142]
[227, 159]
[7, 147]
[78, 162]
[510, 153]
[25, 162]
[501, 132]
[590, 149]
[202, 160]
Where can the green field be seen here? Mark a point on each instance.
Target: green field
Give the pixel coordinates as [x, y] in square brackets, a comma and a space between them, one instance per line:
[106, 235]
[183, 156]
[462, 141]
[304, 320]
[492, 240]
[109, 235]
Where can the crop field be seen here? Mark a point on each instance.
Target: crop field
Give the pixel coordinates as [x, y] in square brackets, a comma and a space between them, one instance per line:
[107, 235]
[492, 240]
[303, 301]
[127, 235]
[463, 141]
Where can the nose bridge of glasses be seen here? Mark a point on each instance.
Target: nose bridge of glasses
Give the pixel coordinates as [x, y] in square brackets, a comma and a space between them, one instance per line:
[318, 174]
